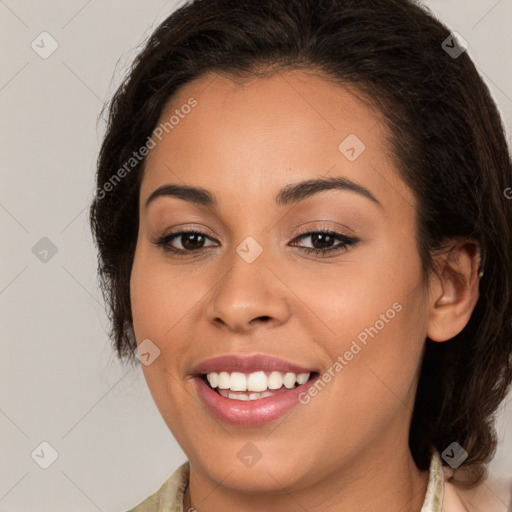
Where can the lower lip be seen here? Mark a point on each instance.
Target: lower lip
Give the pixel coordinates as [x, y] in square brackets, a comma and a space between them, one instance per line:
[250, 412]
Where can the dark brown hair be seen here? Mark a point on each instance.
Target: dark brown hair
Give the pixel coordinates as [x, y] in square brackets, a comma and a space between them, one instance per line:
[448, 144]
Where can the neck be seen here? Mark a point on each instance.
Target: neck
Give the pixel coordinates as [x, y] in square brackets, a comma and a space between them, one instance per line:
[375, 481]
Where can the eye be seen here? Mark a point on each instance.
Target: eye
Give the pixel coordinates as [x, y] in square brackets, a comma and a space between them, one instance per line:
[321, 242]
[187, 241]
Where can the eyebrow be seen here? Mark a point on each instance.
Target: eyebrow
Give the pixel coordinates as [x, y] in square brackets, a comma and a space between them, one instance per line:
[289, 194]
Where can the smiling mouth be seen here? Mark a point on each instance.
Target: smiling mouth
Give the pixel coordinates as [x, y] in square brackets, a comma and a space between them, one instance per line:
[255, 385]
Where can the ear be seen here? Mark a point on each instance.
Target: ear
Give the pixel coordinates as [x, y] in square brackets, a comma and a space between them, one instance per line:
[454, 290]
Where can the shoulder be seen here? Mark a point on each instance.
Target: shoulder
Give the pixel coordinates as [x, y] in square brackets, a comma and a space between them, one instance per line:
[169, 497]
[494, 494]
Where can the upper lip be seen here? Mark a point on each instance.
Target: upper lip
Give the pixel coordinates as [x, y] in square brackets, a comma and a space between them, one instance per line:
[247, 364]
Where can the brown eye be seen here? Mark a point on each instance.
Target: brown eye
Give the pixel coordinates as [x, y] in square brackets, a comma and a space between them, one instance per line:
[183, 242]
[324, 242]
[191, 241]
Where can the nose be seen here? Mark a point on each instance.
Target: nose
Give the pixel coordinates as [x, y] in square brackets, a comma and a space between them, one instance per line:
[247, 296]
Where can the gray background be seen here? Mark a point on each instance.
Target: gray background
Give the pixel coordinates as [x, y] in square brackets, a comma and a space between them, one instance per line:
[60, 381]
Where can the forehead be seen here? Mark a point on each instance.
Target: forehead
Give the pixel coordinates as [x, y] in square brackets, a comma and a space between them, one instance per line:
[258, 134]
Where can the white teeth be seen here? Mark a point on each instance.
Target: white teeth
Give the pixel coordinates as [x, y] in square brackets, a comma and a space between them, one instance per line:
[238, 382]
[302, 378]
[234, 396]
[213, 379]
[289, 380]
[275, 380]
[244, 396]
[255, 383]
[224, 380]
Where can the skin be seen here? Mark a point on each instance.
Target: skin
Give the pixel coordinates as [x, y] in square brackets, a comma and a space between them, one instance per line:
[347, 449]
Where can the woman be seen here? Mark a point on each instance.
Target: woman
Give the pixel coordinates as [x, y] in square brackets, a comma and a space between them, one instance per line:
[304, 237]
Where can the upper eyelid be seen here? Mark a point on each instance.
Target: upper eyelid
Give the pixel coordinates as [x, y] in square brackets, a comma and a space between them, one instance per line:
[323, 229]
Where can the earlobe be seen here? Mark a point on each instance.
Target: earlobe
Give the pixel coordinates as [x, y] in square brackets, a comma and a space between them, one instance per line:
[454, 293]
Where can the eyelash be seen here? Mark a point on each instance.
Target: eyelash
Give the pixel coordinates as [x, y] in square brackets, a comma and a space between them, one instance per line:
[346, 242]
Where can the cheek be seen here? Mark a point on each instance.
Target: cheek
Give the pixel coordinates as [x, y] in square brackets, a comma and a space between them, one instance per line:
[344, 298]
[167, 303]
[375, 353]
[155, 310]
[160, 306]
[162, 296]
[370, 315]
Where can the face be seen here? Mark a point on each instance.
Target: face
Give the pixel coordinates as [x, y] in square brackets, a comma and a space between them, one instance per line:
[278, 278]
